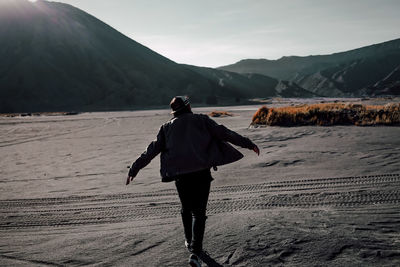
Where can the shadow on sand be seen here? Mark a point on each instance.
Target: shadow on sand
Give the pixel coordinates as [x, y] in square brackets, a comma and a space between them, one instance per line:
[206, 258]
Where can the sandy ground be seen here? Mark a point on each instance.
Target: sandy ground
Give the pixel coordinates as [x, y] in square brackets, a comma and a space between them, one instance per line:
[316, 196]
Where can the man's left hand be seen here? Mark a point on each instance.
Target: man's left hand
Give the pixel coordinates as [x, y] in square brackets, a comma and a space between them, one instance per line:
[257, 150]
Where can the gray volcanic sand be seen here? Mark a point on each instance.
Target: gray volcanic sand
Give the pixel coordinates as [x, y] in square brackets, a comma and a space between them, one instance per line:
[316, 196]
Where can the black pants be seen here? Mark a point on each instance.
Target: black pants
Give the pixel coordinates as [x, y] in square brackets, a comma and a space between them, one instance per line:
[193, 189]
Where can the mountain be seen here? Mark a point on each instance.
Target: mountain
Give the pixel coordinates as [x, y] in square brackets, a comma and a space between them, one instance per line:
[57, 57]
[390, 85]
[240, 85]
[292, 89]
[251, 85]
[351, 73]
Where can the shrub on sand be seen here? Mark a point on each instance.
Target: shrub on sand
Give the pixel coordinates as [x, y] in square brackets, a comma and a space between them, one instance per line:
[217, 113]
[329, 114]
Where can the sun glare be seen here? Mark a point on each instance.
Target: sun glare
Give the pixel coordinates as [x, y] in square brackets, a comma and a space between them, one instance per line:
[32, 1]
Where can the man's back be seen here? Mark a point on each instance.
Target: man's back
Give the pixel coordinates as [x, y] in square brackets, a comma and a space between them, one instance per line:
[188, 141]
[186, 134]
[194, 142]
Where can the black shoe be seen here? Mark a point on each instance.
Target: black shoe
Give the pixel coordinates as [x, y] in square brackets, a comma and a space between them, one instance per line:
[195, 249]
[194, 261]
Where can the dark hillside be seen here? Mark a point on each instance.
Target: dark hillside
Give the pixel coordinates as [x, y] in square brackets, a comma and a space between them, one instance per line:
[57, 57]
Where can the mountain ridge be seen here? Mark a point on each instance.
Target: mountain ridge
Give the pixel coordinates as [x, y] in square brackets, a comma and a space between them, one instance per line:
[321, 73]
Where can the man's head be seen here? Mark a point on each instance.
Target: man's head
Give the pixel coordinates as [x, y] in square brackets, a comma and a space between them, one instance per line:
[180, 104]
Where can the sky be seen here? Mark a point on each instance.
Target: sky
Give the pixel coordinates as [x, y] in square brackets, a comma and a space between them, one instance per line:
[214, 33]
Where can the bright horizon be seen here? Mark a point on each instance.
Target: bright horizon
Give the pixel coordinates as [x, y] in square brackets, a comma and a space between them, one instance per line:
[212, 34]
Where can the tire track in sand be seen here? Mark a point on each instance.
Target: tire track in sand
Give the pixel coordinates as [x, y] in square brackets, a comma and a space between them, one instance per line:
[340, 192]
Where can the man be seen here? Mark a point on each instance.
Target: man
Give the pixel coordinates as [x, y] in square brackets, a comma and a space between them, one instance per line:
[190, 145]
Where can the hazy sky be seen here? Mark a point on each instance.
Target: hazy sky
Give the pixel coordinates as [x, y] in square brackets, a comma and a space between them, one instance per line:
[219, 32]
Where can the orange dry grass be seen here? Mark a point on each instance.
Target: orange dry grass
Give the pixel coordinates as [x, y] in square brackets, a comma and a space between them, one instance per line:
[329, 114]
[220, 114]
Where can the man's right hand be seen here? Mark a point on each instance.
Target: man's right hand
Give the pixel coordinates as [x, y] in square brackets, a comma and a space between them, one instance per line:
[129, 179]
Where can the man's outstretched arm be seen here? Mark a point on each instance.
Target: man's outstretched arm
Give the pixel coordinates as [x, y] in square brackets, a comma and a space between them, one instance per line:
[224, 134]
[145, 158]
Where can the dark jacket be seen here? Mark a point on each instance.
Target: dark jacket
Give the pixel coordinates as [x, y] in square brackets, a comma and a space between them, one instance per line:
[191, 142]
